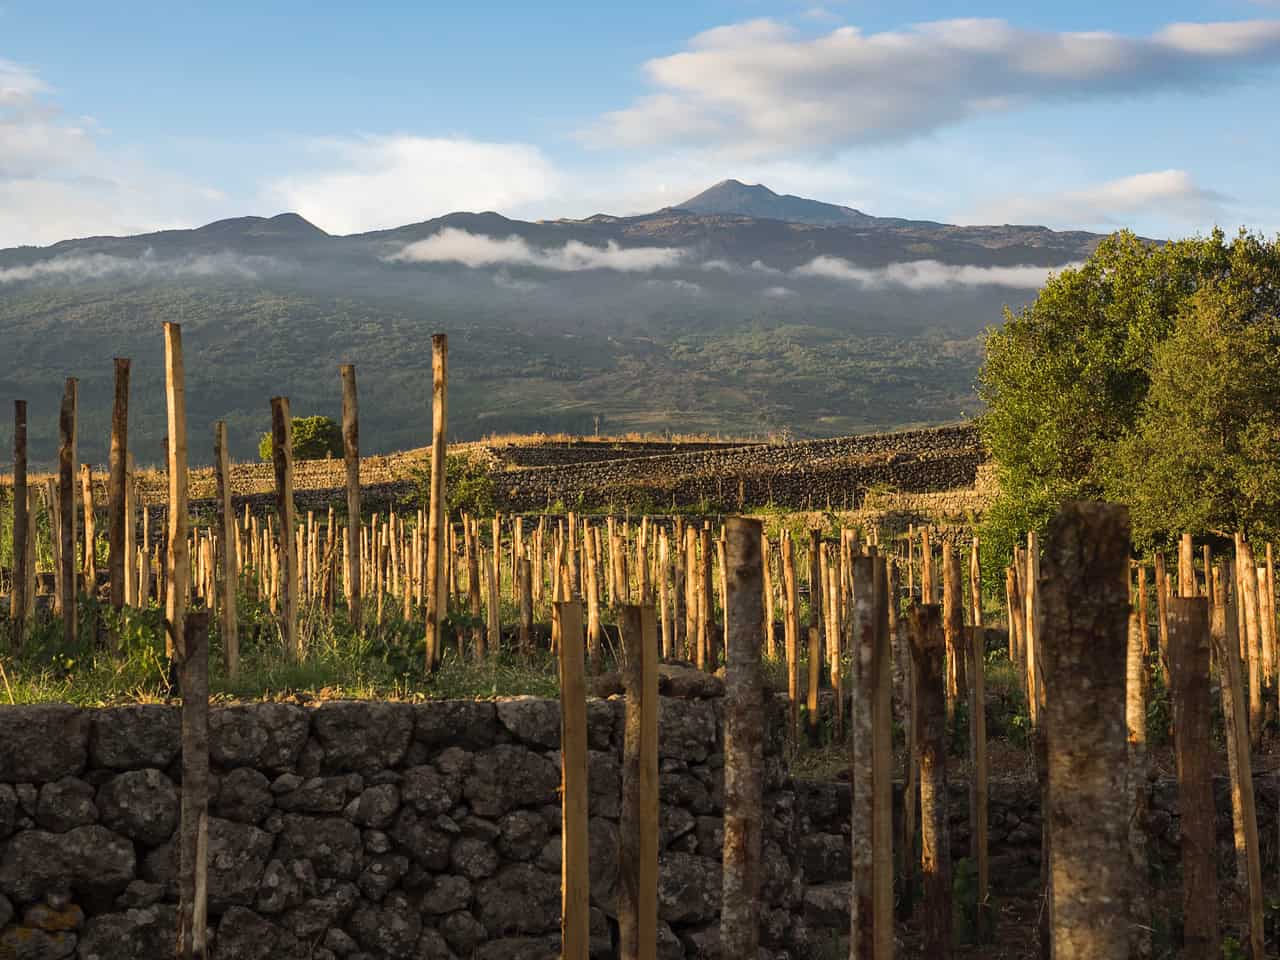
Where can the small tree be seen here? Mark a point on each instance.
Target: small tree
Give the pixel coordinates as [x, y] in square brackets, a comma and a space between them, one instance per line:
[314, 438]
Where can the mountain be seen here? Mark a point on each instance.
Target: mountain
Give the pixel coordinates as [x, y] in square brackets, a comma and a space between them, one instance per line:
[740, 310]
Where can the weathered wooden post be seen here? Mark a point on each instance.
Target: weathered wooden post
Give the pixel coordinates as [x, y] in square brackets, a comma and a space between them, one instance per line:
[118, 516]
[494, 609]
[1186, 567]
[766, 569]
[351, 457]
[1031, 631]
[743, 743]
[1162, 611]
[1086, 614]
[978, 799]
[575, 913]
[1250, 632]
[928, 648]
[706, 602]
[1136, 727]
[524, 579]
[227, 548]
[193, 831]
[435, 518]
[953, 627]
[282, 459]
[1240, 766]
[67, 510]
[817, 583]
[791, 614]
[1192, 724]
[638, 823]
[90, 527]
[18, 610]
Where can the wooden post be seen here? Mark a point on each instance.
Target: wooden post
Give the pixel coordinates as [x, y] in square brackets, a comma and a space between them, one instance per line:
[90, 557]
[706, 602]
[575, 913]
[494, 640]
[118, 516]
[815, 677]
[1240, 766]
[1249, 623]
[1186, 567]
[1162, 612]
[227, 548]
[282, 458]
[193, 833]
[1136, 726]
[978, 799]
[817, 584]
[1031, 632]
[1086, 607]
[638, 823]
[882, 763]
[525, 581]
[953, 627]
[743, 743]
[351, 457]
[792, 623]
[766, 570]
[177, 557]
[1192, 724]
[435, 517]
[66, 509]
[927, 586]
[664, 597]
[928, 648]
[18, 609]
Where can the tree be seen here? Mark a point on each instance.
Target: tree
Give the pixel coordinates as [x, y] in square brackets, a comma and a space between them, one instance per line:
[314, 438]
[1067, 382]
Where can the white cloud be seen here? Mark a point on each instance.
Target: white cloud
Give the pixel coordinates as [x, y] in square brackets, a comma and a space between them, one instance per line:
[452, 245]
[96, 266]
[759, 88]
[1170, 194]
[373, 182]
[680, 286]
[778, 293]
[925, 274]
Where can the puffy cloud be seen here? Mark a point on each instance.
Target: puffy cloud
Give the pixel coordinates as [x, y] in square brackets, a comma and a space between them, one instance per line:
[925, 274]
[373, 182]
[760, 88]
[452, 245]
[778, 293]
[678, 285]
[96, 266]
[1163, 193]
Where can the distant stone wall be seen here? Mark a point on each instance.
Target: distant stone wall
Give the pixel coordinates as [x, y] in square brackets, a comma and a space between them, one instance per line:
[359, 830]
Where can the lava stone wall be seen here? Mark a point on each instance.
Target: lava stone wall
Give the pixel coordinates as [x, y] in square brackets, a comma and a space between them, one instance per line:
[359, 830]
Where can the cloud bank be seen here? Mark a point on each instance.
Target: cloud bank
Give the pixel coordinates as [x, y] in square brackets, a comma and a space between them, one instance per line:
[452, 245]
[760, 88]
[926, 274]
[79, 268]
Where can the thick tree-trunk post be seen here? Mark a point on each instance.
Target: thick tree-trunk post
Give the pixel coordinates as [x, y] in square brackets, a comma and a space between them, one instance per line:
[67, 509]
[351, 457]
[1136, 724]
[664, 597]
[18, 609]
[882, 762]
[525, 580]
[1031, 632]
[575, 911]
[1144, 622]
[435, 516]
[227, 552]
[177, 558]
[766, 587]
[706, 599]
[1162, 612]
[595, 632]
[1187, 567]
[835, 644]
[118, 516]
[792, 615]
[1240, 766]
[282, 458]
[927, 586]
[638, 823]
[928, 650]
[953, 627]
[812, 728]
[1086, 615]
[1011, 605]
[1249, 629]
[978, 798]
[1192, 723]
[193, 832]
[910, 759]
[743, 743]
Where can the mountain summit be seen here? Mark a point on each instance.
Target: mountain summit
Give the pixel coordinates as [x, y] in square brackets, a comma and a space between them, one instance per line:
[733, 197]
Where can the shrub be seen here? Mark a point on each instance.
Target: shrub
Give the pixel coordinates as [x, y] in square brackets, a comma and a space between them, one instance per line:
[314, 438]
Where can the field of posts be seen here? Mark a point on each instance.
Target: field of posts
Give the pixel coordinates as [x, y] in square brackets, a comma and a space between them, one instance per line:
[618, 698]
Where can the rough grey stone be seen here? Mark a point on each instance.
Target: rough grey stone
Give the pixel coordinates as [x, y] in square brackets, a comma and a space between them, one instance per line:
[432, 946]
[470, 724]
[688, 683]
[243, 935]
[673, 823]
[244, 795]
[532, 720]
[463, 932]
[135, 736]
[334, 846]
[382, 874]
[603, 717]
[473, 858]
[521, 948]
[39, 744]
[522, 834]
[28, 943]
[6, 910]
[518, 899]
[420, 837]
[508, 776]
[8, 810]
[689, 889]
[268, 736]
[42, 916]
[602, 840]
[140, 893]
[339, 943]
[375, 807]
[363, 735]
[391, 929]
[315, 795]
[64, 804]
[139, 934]
[90, 861]
[687, 729]
[318, 914]
[710, 834]
[827, 904]
[604, 784]
[284, 886]
[825, 857]
[428, 791]
[141, 804]
[238, 854]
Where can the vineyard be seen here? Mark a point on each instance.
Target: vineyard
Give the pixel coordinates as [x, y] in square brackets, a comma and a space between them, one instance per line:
[617, 697]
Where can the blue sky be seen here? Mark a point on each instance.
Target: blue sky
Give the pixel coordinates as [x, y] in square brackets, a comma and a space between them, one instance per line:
[1091, 115]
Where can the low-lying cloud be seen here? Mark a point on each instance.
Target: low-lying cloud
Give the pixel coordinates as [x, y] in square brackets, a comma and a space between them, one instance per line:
[926, 274]
[78, 268]
[452, 245]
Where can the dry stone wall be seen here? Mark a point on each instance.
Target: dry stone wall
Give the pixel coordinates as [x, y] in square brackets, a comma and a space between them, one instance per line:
[359, 830]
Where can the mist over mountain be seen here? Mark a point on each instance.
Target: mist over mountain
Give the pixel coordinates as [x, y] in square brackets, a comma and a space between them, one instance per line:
[738, 311]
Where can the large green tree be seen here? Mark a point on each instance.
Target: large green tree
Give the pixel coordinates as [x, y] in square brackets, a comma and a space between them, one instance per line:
[1113, 381]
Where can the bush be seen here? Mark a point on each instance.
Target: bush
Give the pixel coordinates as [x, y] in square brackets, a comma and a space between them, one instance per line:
[314, 438]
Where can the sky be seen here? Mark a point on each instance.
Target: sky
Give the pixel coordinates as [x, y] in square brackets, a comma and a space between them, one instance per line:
[124, 118]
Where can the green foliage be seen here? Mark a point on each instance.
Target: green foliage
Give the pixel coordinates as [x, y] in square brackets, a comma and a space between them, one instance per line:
[314, 438]
[468, 485]
[1148, 375]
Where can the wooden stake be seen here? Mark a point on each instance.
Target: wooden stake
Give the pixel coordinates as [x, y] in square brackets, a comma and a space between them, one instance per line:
[118, 516]
[1138, 786]
[525, 581]
[351, 457]
[1086, 606]
[1192, 723]
[19, 610]
[436, 510]
[638, 824]
[193, 832]
[227, 545]
[67, 510]
[792, 620]
[743, 743]
[575, 913]
[953, 626]
[282, 459]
